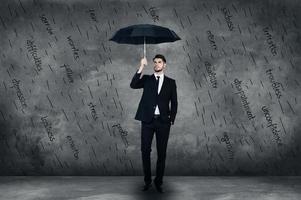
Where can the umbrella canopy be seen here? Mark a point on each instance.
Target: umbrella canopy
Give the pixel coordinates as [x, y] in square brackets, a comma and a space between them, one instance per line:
[144, 34]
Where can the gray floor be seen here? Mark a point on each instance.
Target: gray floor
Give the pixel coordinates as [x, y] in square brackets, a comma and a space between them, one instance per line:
[128, 188]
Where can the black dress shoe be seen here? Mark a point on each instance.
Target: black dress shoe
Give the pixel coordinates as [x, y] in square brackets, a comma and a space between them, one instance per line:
[159, 188]
[146, 187]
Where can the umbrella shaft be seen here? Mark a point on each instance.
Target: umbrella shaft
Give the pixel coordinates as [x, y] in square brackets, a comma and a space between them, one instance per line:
[144, 48]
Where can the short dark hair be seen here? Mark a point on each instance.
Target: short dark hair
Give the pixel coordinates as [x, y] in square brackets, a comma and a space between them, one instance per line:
[160, 56]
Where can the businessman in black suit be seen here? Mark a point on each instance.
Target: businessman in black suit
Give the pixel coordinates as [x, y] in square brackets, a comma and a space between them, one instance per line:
[156, 116]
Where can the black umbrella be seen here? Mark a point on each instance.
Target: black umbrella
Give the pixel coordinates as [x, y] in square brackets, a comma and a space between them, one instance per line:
[144, 34]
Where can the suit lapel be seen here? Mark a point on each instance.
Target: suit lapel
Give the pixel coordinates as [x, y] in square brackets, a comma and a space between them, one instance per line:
[153, 78]
[163, 85]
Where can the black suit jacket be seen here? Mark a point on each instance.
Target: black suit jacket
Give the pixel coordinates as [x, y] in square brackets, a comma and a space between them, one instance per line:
[147, 105]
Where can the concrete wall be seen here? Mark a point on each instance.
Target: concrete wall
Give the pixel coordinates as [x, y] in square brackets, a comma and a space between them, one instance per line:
[66, 107]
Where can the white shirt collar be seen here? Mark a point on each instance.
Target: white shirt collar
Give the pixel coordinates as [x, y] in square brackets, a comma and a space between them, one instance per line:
[161, 75]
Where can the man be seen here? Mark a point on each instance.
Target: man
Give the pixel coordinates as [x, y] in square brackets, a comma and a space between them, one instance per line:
[155, 115]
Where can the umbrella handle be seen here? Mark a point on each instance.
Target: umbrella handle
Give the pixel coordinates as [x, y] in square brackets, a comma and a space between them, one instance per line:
[144, 48]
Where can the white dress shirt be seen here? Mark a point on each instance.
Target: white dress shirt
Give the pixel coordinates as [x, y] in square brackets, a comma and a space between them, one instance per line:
[159, 89]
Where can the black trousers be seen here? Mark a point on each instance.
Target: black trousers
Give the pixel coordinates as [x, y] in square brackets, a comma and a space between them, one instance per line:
[162, 134]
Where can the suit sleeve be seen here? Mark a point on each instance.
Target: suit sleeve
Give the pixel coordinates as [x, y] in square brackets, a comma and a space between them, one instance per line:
[174, 103]
[137, 82]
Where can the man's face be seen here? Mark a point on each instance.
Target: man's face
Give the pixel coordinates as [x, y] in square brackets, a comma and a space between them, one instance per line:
[159, 65]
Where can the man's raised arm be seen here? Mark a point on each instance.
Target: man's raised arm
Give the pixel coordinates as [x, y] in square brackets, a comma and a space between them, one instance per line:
[138, 82]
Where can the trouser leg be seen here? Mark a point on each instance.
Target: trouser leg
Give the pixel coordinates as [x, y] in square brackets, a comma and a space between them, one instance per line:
[147, 133]
[162, 135]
